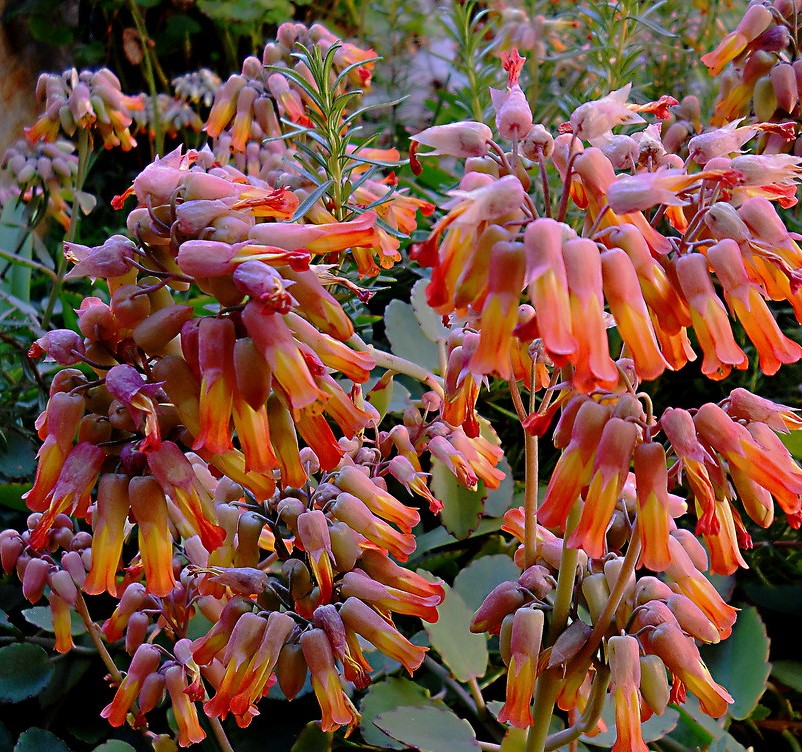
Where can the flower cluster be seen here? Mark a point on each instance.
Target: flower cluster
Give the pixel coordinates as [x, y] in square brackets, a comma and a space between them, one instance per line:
[86, 100]
[51, 167]
[665, 247]
[235, 451]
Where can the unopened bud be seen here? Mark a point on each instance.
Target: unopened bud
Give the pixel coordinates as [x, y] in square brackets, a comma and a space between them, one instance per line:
[596, 592]
[654, 683]
[503, 599]
[764, 99]
[783, 82]
[62, 584]
[35, 579]
[136, 631]
[291, 669]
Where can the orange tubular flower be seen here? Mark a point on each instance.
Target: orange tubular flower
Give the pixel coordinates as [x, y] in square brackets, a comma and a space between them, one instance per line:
[351, 480]
[186, 715]
[273, 338]
[671, 311]
[745, 301]
[72, 491]
[747, 406]
[525, 640]
[236, 657]
[765, 461]
[725, 557]
[386, 598]
[709, 317]
[108, 528]
[334, 354]
[313, 537]
[626, 303]
[682, 658]
[610, 470]
[623, 656]
[149, 508]
[594, 368]
[277, 632]
[351, 510]
[205, 648]
[216, 360]
[319, 239]
[340, 408]
[653, 504]
[597, 175]
[383, 569]
[145, 662]
[318, 304]
[362, 619]
[177, 478]
[337, 709]
[60, 612]
[573, 469]
[548, 287]
[63, 414]
[756, 20]
[679, 428]
[500, 310]
[694, 585]
[285, 443]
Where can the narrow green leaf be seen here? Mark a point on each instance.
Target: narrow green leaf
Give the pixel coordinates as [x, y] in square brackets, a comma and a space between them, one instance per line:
[310, 200]
[741, 663]
[24, 671]
[428, 729]
[463, 652]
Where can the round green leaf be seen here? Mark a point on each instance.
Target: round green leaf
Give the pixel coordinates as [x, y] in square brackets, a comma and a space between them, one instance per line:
[429, 729]
[387, 695]
[477, 579]
[24, 671]
[463, 652]
[114, 745]
[40, 740]
[655, 728]
[313, 739]
[41, 617]
[462, 509]
[430, 323]
[741, 663]
[500, 499]
[407, 340]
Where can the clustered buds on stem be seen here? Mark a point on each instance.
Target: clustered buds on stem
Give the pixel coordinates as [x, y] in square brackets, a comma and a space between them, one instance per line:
[244, 449]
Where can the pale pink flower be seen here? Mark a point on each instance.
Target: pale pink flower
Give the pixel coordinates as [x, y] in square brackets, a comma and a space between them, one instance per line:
[596, 119]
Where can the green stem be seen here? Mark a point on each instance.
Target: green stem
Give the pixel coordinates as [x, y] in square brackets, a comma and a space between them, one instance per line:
[590, 717]
[608, 612]
[399, 365]
[548, 683]
[94, 633]
[84, 151]
[147, 62]
[530, 498]
[220, 735]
